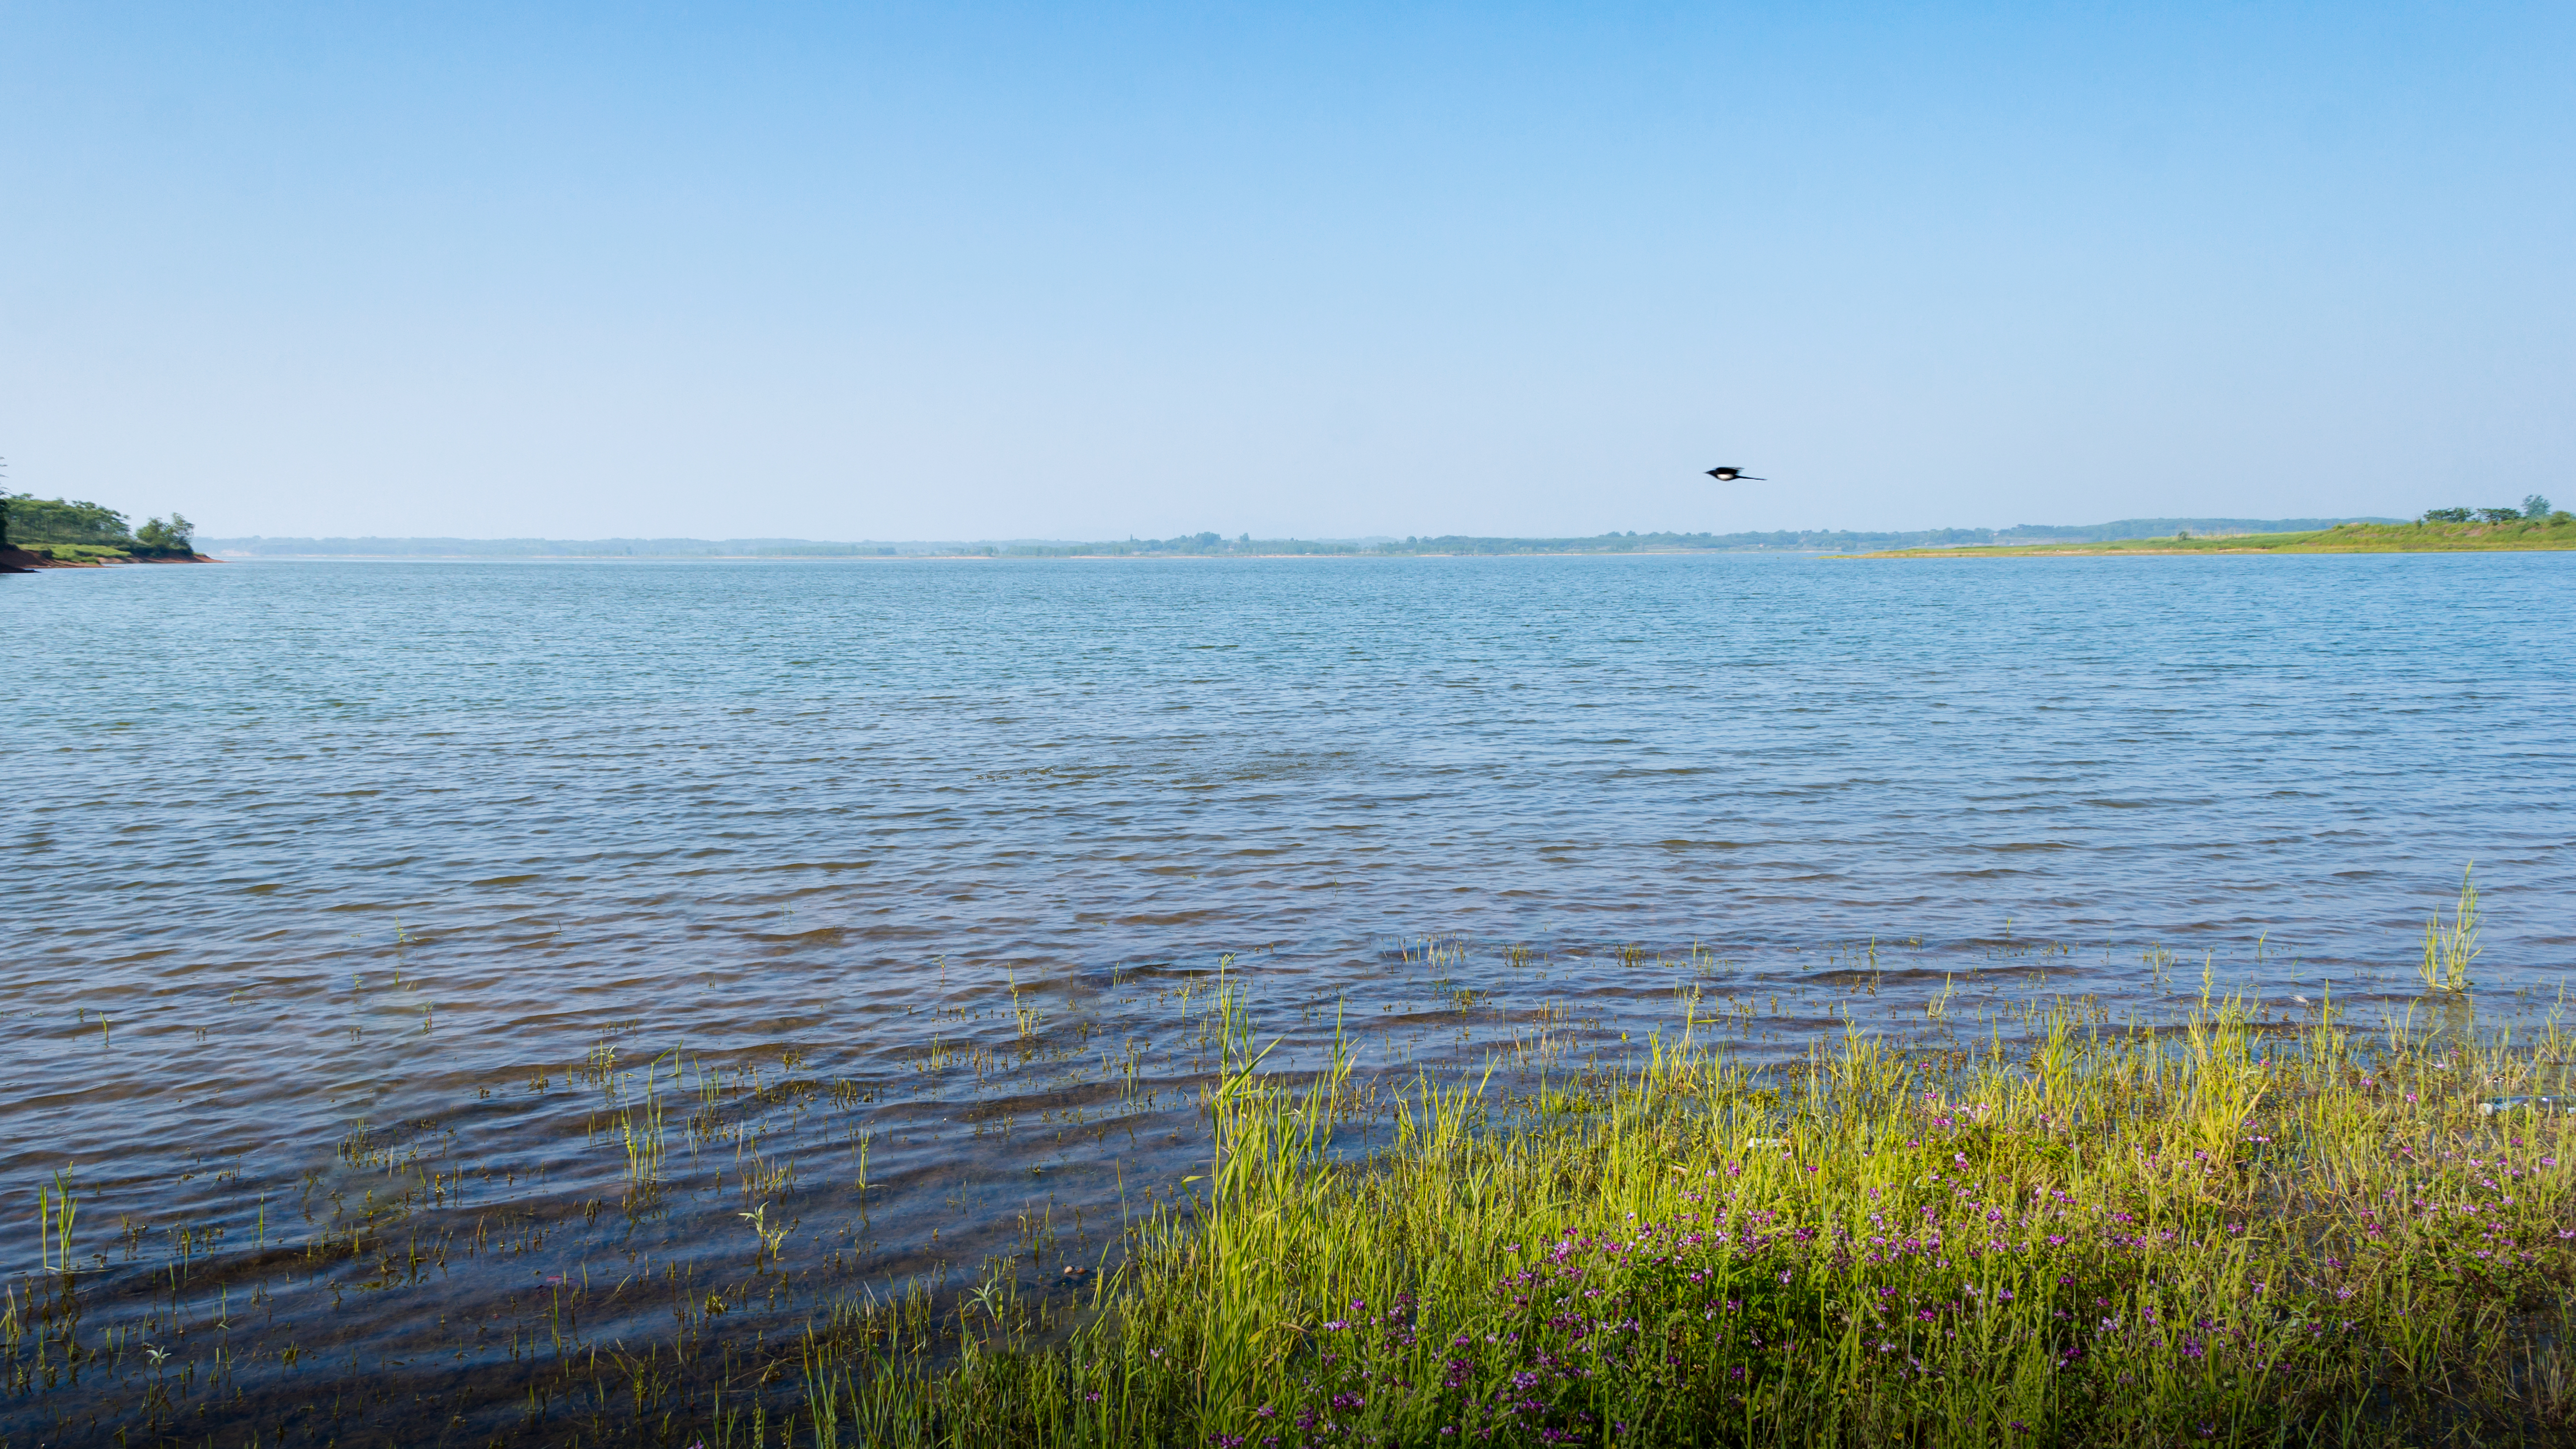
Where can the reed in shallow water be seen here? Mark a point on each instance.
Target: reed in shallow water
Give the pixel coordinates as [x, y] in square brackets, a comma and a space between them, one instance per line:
[2213, 1233]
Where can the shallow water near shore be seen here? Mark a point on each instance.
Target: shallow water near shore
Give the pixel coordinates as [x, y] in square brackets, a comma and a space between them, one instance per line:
[416, 968]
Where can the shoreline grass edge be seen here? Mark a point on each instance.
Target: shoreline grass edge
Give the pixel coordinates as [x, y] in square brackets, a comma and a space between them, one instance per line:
[2107, 1235]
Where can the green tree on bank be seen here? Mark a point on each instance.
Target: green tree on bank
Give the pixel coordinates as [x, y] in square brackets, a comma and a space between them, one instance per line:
[27, 521]
[178, 536]
[2534, 509]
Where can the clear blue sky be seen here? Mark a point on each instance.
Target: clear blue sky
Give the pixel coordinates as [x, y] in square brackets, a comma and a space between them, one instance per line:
[1088, 271]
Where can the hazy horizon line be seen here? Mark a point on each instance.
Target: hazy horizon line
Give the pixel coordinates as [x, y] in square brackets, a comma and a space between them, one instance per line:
[1210, 540]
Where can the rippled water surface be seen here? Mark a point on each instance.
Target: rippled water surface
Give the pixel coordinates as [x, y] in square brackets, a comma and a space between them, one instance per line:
[361, 916]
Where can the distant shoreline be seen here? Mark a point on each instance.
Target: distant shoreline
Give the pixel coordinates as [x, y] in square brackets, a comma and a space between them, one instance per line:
[2550, 535]
[1213, 545]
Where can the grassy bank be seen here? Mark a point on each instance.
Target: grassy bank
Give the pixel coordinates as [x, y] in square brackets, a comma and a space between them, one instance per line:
[2219, 1233]
[2555, 533]
[88, 555]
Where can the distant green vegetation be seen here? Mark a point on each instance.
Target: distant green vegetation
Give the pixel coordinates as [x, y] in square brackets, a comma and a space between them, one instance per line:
[2536, 526]
[84, 531]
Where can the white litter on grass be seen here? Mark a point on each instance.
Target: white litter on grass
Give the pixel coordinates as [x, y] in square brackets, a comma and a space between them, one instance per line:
[2493, 1105]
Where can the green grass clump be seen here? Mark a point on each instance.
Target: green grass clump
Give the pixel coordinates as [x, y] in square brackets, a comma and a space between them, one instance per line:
[2213, 1233]
[81, 552]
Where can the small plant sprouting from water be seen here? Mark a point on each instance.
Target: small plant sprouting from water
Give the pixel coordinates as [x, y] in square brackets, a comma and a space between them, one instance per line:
[771, 1237]
[1027, 1018]
[2448, 952]
[639, 1128]
[55, 1211]
[991, 1296]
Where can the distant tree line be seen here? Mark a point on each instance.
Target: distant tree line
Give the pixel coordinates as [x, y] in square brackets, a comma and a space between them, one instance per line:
[1197, 544]
[2534, 509]
[28, 521]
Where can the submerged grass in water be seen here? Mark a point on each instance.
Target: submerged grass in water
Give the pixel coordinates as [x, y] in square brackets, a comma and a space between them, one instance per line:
[2207, 1234]
[1582, 1241]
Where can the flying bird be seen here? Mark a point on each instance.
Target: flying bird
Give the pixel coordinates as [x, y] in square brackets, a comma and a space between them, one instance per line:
[1729, 475]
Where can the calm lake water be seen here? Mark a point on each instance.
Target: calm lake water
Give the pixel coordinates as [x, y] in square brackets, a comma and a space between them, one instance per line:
[349, 904]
